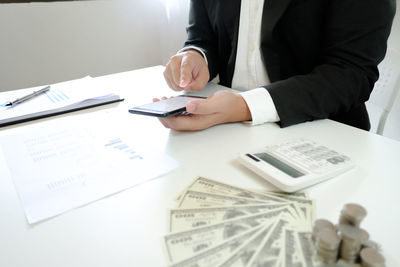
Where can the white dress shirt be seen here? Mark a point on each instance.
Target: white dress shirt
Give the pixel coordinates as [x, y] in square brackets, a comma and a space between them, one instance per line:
[250, 73]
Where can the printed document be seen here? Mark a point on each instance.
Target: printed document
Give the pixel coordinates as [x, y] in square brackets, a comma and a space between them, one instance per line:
[59, 166]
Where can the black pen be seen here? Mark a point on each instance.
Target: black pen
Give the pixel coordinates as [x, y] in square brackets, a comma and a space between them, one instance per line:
[27, 97]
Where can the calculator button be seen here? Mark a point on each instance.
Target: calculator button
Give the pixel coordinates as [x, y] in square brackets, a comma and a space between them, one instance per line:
[308, 155]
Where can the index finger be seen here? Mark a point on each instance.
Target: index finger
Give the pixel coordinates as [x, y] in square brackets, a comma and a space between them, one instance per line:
[186, 72]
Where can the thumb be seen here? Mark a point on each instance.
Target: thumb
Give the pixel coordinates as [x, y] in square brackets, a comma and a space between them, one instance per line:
[203, 106]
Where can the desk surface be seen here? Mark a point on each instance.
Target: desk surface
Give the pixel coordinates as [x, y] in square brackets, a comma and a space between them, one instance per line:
[126, 229]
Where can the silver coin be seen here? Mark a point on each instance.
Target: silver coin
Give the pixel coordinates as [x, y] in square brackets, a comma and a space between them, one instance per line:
[371, 258]
[327, 243]
[352, 238]
[319, 225]
[352, 214]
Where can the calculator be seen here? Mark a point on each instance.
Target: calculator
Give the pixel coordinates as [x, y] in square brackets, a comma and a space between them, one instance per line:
[296, 164]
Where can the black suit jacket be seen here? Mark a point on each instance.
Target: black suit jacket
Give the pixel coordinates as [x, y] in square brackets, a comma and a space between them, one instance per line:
[321, 55]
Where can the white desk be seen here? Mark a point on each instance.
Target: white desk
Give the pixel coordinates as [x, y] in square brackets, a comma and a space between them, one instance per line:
[126, 229]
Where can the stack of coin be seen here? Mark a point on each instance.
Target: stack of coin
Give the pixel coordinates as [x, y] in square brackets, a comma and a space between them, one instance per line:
[371, 258]
[346, 239]
[352, 214]
[327, 244]
[364, 235]
[352, 238]
[371, 244]
[319, 225]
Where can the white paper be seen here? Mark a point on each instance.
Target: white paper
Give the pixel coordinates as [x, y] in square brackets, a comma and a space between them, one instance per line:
[56, 168]
[65, 94]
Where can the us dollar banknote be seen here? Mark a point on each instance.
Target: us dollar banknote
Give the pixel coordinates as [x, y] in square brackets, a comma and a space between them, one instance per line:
[242, 255]
[179, 245]
[196, 199]
[283, 194]
[269, 251]
[291, 254]
[189, 218]
[306, 248]
[206, 185]
[217, 224]
[215, 255]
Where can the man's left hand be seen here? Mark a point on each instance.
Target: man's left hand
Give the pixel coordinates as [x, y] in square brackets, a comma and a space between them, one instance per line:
[221, 107]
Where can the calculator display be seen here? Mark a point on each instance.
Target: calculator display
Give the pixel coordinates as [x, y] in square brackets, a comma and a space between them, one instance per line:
[292, 172]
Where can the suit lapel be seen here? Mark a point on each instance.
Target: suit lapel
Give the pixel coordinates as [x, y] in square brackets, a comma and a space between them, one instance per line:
[231, 21]
[272, 12]
[231, 16]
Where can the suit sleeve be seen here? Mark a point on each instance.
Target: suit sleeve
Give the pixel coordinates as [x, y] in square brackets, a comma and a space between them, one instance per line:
[353, 44]
[201, 35]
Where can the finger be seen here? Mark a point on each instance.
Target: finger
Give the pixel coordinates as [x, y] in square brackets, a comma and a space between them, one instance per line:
[200, 80]
[191, 122]
[164, 123]
[186, 76]
[155, 99]
[175, 71]
[196, 85]
[167, 79]
[171, 84]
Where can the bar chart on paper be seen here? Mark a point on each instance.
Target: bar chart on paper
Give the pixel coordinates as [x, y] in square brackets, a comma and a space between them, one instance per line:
[57, 96]
[119, 145]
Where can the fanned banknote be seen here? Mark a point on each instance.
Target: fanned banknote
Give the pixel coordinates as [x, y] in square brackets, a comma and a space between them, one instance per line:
[218, 224]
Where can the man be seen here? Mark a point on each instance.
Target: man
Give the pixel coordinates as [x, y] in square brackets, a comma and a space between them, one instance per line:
[295, 60]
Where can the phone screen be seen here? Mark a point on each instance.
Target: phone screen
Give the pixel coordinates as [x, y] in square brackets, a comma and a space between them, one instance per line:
[164, 108]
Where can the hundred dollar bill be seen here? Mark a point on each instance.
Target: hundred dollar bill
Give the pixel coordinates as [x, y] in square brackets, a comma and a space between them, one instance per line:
[242, 255]
[306, 215]
[189, 218]
[202, 184]
[206, 185]
[307, 210]
[312, 212]
[298, 200]
[306, 248]
[178, 197]
[195, 199]
[269, 251]
[215, 255]
[279, 263]
[304, 210]
[291, 254]
[180, 245]
[280, 193]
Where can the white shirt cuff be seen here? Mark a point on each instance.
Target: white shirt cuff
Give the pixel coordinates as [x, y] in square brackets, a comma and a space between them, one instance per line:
[194, 48]
[261, 106]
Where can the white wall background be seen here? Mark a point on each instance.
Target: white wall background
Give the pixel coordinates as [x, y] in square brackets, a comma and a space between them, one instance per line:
[43, 43]
[394, 39]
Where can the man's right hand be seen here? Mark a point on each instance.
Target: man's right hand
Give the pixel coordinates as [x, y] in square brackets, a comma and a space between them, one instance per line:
[187, 71]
